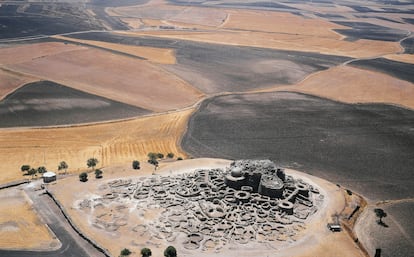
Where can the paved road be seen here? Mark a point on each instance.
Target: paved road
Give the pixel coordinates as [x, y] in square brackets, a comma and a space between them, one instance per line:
[72, 244]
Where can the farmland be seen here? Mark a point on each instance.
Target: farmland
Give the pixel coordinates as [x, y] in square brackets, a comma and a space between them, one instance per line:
[325, 88]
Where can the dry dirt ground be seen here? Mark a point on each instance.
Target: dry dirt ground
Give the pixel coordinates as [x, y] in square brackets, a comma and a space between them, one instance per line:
[110, 143]
[316, 240]
[20, 227]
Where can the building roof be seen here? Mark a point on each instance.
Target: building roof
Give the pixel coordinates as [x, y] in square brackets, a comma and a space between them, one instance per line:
[49, 174]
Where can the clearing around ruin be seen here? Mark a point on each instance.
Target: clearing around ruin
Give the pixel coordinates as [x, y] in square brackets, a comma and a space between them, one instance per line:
[147, 210]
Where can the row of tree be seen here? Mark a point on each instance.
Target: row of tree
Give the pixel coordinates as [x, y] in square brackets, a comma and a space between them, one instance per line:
[92, 162]
[154, 157]
[42, 169]
[170, 251]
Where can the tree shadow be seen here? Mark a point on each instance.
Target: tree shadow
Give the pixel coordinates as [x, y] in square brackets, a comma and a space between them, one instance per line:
[382, 223]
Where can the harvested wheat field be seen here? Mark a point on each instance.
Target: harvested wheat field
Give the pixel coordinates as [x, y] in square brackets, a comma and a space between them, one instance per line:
[353, 85]
[125, 79]
[211, 17]
[25, 53]
[407, 58]
[20, 227]
[111, 143]
[277, 30]
[283, 23]
[359, 49]
[10, 81]
[153, 54]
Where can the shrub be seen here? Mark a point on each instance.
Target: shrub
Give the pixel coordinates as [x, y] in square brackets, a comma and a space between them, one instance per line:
[146, 252]
[83, 177]
[170, 251]
[98, 173]
[125, 252]
[136, 165]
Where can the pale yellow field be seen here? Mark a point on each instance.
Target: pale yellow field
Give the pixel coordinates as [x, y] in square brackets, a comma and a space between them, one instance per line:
[408, 58]
[110, 143]
[353, 85]
[276, 30]
[117, 77]
[283, 23]
[357, 49]
[10, 81]
[153, 54]
[20, 227]
[25, 53]
[211, 17]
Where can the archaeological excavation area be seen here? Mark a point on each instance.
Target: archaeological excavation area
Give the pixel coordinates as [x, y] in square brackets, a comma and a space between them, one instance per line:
[247, 204]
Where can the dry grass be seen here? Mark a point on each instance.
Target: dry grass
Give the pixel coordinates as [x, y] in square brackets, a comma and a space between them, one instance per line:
[407, 58]
[284, 23]
[211, 17]
[353, 85]
[121, 78]
[10, 81]
[110, 143]
[133, 23]
[266, 29]
[25, 53]
[357, 49]
[156, 55]
[20, 228]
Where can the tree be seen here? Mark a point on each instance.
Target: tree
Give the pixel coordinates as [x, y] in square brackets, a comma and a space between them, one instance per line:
[152, 156]
[41, 169]
[25, 168]
[160, 155]
[92, 162]
[170, 155]
[136, 165]
[83, 177]
[380, 214]
[146, 252]
[63, 166]
[179, 158]
[98, 173]
[125, 252]
[153, 162]
[32, 172]
[170, 252]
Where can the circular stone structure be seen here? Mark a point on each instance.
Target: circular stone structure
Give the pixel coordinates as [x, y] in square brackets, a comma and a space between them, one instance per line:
[249, 202]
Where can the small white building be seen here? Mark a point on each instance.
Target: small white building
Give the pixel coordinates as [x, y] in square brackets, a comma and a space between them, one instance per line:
[49, 177]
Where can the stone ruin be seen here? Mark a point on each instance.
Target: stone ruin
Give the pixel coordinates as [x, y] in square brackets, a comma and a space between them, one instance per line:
[251, 201]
